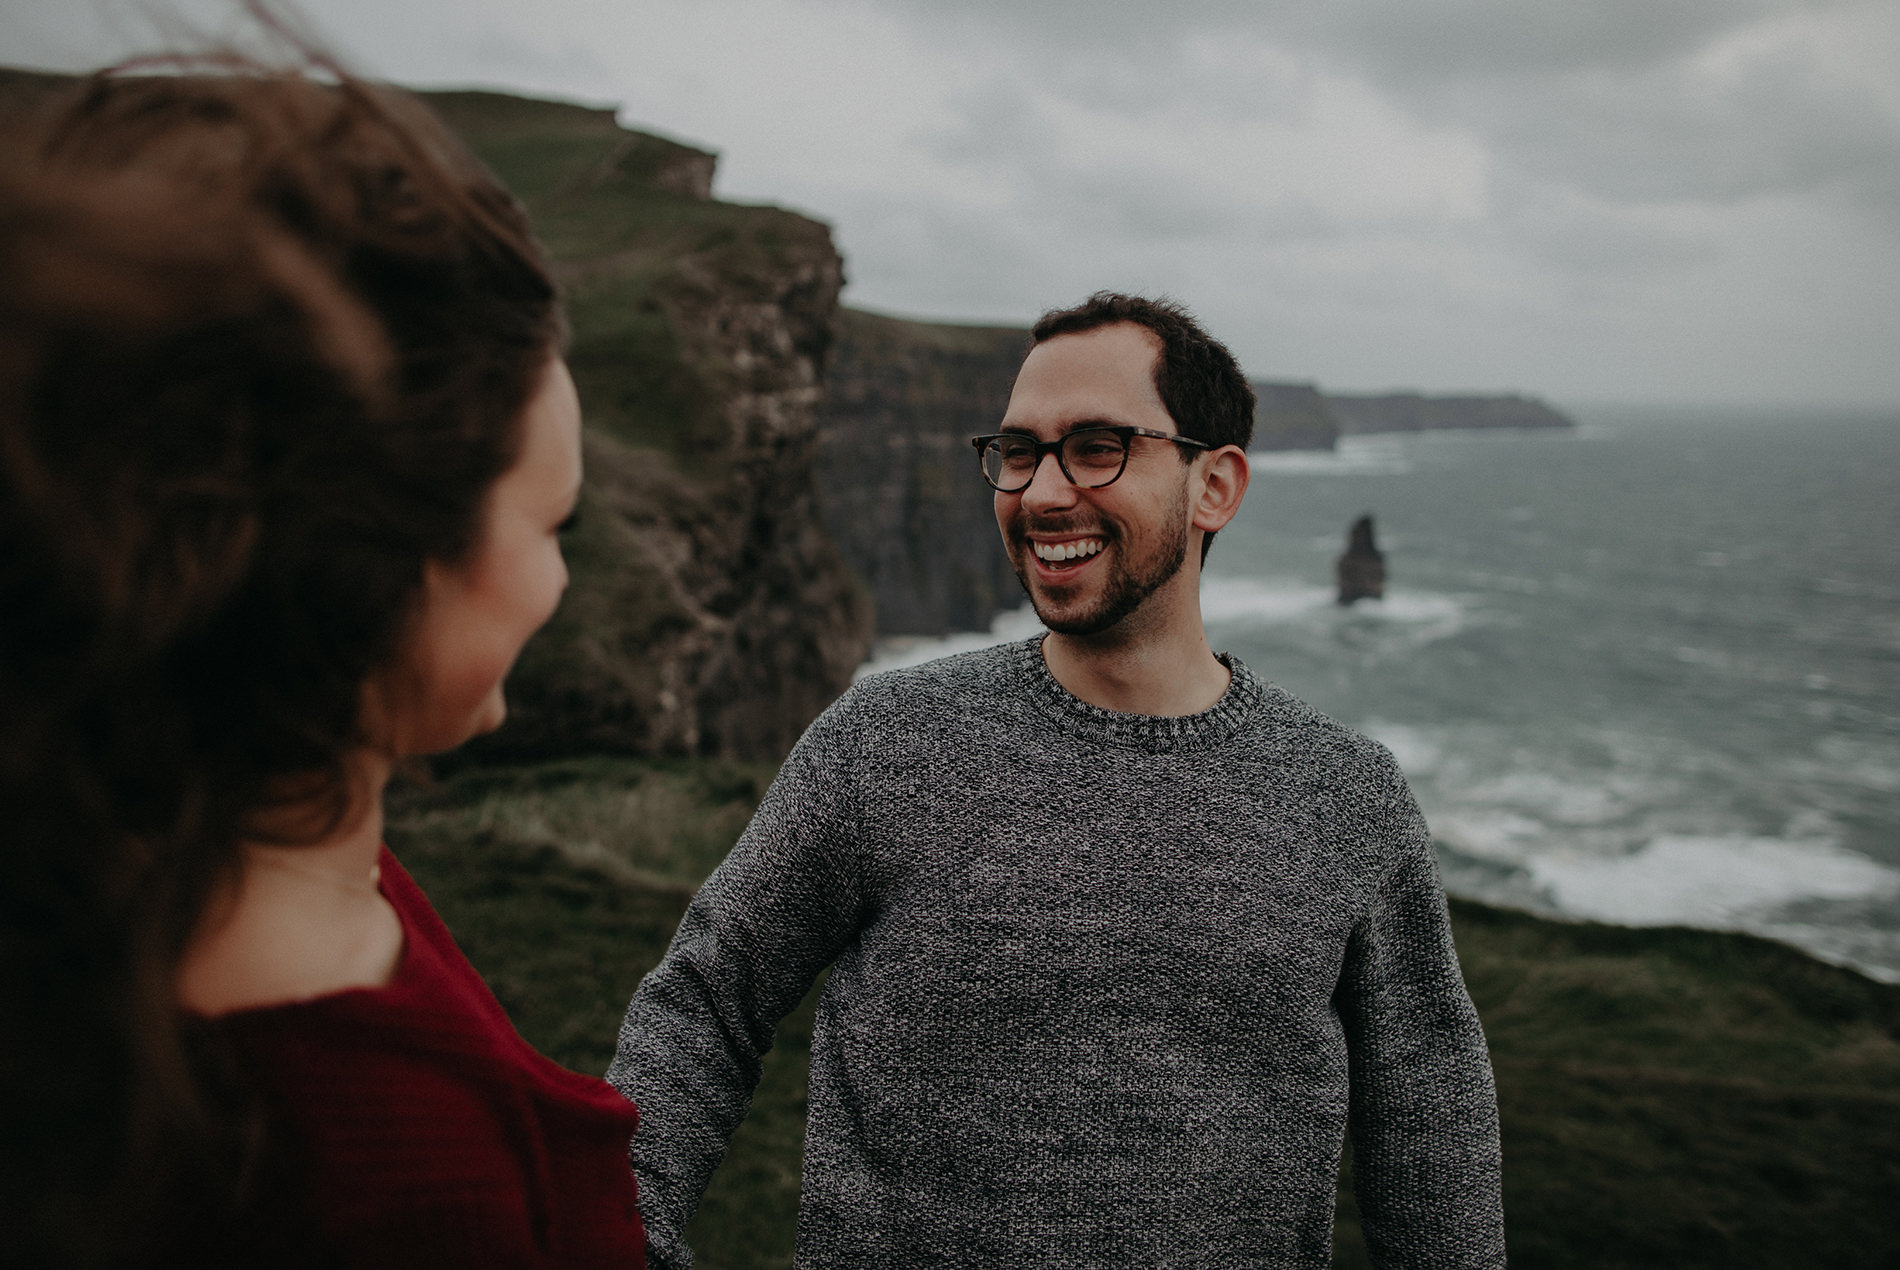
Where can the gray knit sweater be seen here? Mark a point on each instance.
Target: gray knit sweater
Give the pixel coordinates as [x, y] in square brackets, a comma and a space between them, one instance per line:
[1106, 989]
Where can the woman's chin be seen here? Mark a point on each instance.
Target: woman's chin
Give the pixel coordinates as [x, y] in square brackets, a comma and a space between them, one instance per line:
[489, 718]
[447, 734]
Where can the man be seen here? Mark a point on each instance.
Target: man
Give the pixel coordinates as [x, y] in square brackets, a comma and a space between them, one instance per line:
[1122, 937]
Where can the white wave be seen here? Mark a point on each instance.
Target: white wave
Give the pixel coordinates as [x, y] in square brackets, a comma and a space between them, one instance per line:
[1356, 456]
[1873, 952]
[1722, 882]
[1277, 600]
[1224, 601]
[1419, 750]
[1308, 614]
[1567, 800]
[1498, 835]
[1870, 763]
[1593, 432]
[1411, 608]
[896, 651]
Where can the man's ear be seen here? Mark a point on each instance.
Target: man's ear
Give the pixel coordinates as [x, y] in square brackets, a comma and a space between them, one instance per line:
[1223, 483]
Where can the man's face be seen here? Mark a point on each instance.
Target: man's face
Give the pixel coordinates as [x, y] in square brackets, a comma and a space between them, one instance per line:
[1089, 558]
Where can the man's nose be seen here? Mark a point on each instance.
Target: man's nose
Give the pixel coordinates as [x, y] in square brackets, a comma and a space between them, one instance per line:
[1049, 487]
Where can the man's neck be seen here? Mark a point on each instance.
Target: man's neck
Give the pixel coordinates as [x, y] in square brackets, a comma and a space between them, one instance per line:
[1155, 662]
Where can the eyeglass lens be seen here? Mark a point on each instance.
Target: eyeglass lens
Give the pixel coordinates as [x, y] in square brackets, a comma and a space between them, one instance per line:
[1090, 457]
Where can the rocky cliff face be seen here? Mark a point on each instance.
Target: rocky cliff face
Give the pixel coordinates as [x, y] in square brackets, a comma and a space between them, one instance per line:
[709, 612]
[1292, 417]
[897, 477]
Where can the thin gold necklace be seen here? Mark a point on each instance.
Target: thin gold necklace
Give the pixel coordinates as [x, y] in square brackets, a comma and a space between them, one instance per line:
[370, 886]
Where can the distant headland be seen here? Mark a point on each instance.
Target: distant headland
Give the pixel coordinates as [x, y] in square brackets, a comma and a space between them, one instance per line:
[1295, 416]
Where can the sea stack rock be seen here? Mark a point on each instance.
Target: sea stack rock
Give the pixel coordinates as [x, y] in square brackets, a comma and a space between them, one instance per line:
[1361, 571]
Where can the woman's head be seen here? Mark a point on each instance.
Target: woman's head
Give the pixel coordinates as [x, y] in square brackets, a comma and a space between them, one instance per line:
[270, 349]
[273, 346]
[475, 613]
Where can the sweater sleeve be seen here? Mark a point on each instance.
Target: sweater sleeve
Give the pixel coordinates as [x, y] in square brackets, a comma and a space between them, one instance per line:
[1424, 1118]
[776, 912]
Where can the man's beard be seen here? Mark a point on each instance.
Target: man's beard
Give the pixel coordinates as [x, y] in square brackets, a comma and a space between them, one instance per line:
[1130, 580]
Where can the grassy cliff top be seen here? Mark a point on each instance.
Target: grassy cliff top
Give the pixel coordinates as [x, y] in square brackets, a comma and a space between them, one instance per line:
[943, 337]
[629, 219]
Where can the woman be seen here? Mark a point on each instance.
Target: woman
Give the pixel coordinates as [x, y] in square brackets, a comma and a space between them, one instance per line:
[286, 443]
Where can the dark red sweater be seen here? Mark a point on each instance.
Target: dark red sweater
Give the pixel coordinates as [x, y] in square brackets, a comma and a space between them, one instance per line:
[423, 1131]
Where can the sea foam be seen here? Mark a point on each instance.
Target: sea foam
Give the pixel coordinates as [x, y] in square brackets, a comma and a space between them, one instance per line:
[1718, 882]
[1356, 456]
[1309, 615]
[894, 652]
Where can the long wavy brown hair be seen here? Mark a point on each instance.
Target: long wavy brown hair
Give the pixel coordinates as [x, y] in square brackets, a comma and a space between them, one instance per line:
[265, 339]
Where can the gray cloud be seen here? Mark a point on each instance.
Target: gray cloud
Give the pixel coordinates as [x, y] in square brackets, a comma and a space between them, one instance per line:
[1638, 160]
[1556, 228]
[1604, 94]
[1399, 38]
[1675, 198]
[1778, 124]
[1491, 39]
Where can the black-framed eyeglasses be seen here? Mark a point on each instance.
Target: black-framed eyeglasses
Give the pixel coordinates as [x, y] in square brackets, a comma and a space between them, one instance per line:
[1090, 457]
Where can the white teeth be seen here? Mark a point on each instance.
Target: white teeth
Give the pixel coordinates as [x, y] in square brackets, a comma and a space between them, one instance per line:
[1067, 550]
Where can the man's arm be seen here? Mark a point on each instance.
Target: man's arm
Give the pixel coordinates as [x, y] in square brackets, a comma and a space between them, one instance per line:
[769, 919]
[1426, 1157]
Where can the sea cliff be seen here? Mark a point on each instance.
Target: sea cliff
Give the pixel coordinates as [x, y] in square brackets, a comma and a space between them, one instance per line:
[898, 479]
[1292, 417]
[709, 612]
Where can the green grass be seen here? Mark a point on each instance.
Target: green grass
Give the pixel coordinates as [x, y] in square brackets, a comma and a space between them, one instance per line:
[638, 823]
[1670, 1098]
[563, 882]
[1679, 1098]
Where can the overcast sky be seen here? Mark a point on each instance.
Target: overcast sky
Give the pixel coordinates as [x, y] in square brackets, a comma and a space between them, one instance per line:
[1648, 200]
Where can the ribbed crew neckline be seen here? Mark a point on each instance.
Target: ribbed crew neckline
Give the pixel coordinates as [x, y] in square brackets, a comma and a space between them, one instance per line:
[1156, 734]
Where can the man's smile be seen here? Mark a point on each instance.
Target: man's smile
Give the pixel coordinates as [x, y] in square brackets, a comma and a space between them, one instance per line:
[1066, 554]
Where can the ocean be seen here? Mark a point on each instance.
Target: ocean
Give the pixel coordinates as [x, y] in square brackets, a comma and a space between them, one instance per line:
[1646, 671]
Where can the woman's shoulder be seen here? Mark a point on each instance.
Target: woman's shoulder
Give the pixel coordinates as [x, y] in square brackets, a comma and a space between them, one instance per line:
[290, 926]
[434, 1029]
[422, 1120]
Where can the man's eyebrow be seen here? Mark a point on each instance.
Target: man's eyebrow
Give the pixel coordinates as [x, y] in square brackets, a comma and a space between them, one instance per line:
[1077, 426]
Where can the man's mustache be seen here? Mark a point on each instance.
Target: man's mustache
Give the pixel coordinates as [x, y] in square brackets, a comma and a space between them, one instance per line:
[1026, 525]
